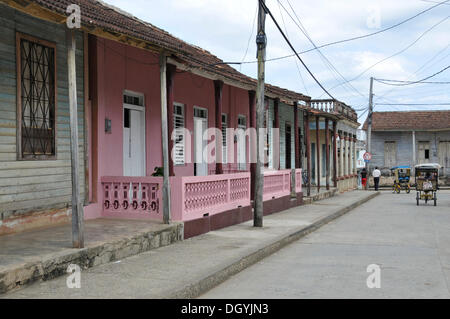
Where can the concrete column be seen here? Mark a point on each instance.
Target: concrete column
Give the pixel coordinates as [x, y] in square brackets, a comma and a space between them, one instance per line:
[318, 145]
[276, 144]
[308, 152]
[355, 169]
[414, 149]
[345, 170]
[341, 154]
[334, 154]
[218, 86]
[327, 154]
[350, 155]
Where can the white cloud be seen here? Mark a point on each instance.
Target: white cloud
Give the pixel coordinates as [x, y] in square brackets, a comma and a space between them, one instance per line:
[224, 27]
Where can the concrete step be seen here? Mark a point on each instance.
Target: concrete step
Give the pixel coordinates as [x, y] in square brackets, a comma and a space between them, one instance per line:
[322, 195]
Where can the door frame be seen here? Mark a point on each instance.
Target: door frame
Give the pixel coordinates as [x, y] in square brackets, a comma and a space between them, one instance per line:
[195, 150]
[144, 121]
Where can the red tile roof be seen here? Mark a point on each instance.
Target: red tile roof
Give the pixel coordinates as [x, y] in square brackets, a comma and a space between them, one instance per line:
[410, 120]
[109, 18]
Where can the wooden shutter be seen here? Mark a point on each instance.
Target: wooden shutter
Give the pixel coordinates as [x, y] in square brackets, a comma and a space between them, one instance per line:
[178, 119]
[390, 154]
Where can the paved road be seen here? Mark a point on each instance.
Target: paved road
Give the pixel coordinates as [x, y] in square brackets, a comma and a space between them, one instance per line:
[410, 244]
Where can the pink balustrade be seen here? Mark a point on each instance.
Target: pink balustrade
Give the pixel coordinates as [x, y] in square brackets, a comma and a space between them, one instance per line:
[132, 197]
[276, 184]
[298, 180]
[193, 197]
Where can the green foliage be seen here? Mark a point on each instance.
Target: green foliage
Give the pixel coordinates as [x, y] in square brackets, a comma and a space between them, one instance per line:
[159, 171]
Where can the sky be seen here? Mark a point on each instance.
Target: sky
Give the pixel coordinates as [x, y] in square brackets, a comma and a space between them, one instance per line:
[227, 28]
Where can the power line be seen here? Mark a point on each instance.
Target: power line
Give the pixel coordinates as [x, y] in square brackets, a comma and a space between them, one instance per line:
[266, 9]
[404, 83]
[251, 34]
[434, 57]
[416, 104]
[395, 54]
[349, 39]
[409, 82]
[426, 63]
[305, 33]
[296, 64]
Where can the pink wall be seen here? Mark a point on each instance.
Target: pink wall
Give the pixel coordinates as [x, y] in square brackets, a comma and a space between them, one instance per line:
[192, 90]
[120, 67]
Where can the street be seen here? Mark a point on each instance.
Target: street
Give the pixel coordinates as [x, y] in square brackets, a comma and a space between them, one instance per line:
[410, 244]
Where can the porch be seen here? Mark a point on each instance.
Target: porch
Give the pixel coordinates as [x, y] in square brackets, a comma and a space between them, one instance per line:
[203, 203]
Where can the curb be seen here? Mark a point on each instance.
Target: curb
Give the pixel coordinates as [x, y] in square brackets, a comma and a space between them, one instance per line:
[200, 287]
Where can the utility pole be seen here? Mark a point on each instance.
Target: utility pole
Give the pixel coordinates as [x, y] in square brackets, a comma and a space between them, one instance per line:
[261, 42]
[77, 208]
[369, 128]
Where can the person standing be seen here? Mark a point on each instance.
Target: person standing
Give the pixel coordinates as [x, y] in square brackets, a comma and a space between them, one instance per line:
[376, 177]
[363, 178]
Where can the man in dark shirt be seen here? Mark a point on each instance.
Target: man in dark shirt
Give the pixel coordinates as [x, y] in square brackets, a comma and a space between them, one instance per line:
[363, 177]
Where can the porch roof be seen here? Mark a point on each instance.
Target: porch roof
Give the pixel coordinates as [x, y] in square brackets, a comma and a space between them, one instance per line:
[108, 21]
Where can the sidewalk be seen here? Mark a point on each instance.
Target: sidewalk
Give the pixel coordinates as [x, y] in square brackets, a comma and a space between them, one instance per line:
[46, 253]
[189, 268]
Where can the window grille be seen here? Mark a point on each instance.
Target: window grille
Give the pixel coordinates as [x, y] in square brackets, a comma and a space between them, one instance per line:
[37, 103]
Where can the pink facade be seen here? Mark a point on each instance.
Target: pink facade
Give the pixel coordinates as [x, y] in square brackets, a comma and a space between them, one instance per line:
[117, 68]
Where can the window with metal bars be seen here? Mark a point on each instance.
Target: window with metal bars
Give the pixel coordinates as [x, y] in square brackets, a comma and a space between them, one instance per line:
[178, 124]
[36, 85]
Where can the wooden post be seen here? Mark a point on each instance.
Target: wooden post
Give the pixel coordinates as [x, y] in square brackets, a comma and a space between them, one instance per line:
[171, 69]
[165, 138]
[276, 144]
[318, 153]
[218, 86]
[327, 152]
[335, 154]
[77, 208]
[259, 177]
[308, 152]
[252, 119]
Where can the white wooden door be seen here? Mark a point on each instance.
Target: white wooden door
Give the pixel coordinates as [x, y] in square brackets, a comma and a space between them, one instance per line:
[200, 126]
[133, 142]
[242, 143]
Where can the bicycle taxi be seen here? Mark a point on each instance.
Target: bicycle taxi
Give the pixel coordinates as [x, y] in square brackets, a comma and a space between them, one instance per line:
[427, 180]
[402, 176]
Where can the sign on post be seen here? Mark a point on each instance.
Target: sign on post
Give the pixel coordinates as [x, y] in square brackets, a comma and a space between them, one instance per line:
[367, 157]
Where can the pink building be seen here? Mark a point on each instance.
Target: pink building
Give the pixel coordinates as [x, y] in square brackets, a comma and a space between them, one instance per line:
[126, 142]
[120, 63]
